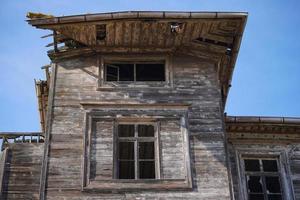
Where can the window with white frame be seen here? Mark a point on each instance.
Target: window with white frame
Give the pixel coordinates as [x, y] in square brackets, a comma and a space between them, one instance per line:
[263, 178]
[136, 146]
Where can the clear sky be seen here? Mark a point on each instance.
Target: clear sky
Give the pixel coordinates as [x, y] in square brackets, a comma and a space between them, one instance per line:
[266, 80]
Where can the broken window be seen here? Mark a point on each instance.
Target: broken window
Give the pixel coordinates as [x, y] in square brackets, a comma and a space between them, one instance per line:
[136, 151]
[135, 72]
[262, 179]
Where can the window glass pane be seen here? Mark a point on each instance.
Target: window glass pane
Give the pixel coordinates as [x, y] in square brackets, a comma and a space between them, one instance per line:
[150, 72]
[125, 130]
[273, 184]
[270, 165]
[126, 150]
[254, 184]
[147, 170]
[274, 197]
[146, 150]
[146, 130]
[125, 72]
[111, 73]
[256, 197]
[126, 170]
[251, 165]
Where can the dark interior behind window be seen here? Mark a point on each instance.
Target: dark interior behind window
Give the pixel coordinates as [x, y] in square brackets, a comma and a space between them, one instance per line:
[135, 72]
[150, 72]
[262, 179]
[136, 151]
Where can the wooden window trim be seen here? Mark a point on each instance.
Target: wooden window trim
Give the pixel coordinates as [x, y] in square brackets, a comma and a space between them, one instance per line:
[102, 60]
[119, 185]
[264, 153]
[262, 173]
[134, 63]
[154, 139]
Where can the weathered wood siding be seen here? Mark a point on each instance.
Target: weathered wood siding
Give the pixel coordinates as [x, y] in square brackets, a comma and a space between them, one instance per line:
[102, 150]
[22, 171]
[171, 145]
[194, 82]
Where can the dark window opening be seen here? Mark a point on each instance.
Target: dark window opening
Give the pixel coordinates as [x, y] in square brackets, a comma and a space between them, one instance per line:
[273, 184]
[100, 32]
[255, 184]
[262, 179]
[270, 165]
[150, 72]
[126, 130]
[252, 165]
[146, 130]
[135, 72]
[136, 151]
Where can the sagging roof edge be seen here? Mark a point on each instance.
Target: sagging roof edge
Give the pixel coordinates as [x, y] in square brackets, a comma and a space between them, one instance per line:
[44, 21]
[134, 15]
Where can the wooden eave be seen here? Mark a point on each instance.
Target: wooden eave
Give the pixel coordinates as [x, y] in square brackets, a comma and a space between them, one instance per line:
[262, 129]
[44, 22]
[211, 36]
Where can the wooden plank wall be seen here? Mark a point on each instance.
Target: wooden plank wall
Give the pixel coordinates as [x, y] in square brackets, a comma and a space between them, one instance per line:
[22, 171]
[102, 150]
[195, 82]
[171, 145]
[3, 159]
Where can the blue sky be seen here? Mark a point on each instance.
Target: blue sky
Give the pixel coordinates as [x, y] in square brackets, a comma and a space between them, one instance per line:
[266, 80]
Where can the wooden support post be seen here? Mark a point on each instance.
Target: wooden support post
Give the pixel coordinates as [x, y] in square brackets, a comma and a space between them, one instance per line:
[3, 159]
[55, 41]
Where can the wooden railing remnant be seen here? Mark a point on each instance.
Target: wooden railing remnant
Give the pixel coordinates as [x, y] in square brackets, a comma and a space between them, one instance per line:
[20, 137]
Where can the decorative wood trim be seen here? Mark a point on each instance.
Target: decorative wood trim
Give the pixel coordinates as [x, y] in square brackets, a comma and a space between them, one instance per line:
[132, 58]
[263, 129]
[90, 104]
[44, 168]
[133, 185]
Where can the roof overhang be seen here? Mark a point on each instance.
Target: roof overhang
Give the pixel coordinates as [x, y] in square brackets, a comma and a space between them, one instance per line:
[258, 129]
[211, 36]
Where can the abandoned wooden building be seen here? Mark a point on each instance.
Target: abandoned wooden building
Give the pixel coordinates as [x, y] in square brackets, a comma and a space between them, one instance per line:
[133, 108]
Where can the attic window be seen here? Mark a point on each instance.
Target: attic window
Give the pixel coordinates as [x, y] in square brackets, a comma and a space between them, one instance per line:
[100, 32]
[135, 72]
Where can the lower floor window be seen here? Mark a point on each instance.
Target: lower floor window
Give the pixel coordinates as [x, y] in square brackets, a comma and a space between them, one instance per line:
[136, 151]
[263, 179]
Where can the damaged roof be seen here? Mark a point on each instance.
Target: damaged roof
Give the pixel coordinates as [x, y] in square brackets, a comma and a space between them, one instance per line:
[211, 36]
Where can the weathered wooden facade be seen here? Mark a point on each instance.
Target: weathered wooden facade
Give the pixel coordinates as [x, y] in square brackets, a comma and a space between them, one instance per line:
[132, 108]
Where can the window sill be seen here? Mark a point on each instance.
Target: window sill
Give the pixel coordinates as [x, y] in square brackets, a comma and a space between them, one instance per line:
[134, 85]
[138, 185]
